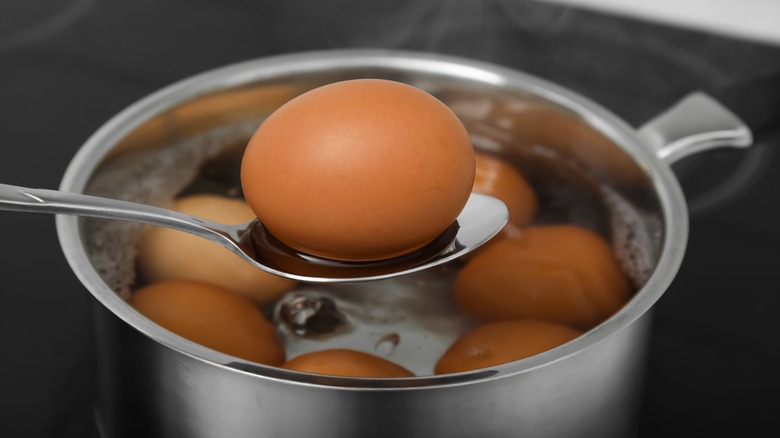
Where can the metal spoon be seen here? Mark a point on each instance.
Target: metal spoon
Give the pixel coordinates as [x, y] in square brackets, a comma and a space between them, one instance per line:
[482, 218]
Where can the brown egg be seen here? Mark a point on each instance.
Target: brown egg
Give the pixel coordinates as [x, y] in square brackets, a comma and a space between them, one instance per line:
[211, 316]
[558, 273]
[349, 363]
[359, 170]
[501, 342]
[166, 254]
[497, 178]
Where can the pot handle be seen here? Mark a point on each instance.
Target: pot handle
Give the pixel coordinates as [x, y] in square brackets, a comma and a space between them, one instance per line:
[694, 124]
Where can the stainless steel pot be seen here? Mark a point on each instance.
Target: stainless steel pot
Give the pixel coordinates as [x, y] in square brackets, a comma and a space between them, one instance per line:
[154, 383]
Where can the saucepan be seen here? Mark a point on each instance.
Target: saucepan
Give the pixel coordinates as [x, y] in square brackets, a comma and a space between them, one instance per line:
[154, 383]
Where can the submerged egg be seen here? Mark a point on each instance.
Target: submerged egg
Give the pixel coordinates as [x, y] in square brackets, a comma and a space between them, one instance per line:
[211, 316]
[501, 342]
[167, 254]
[348, 363]
[497, 178]
[559, 273]
[356, 170]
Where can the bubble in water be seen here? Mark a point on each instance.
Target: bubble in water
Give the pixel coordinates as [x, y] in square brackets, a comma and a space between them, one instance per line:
[307, 315]
[386, 345]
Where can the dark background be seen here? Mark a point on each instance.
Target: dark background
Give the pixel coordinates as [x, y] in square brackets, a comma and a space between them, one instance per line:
[68, 66]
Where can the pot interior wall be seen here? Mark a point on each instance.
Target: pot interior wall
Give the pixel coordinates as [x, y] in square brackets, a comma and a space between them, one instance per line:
[193, 144]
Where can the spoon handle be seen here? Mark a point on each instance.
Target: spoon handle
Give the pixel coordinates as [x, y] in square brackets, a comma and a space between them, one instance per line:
[29, 200]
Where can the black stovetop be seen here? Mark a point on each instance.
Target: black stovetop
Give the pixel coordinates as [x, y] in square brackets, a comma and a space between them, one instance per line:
[68, 66]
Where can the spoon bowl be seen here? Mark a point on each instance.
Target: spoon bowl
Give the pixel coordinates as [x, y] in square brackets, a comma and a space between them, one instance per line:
[481, 219]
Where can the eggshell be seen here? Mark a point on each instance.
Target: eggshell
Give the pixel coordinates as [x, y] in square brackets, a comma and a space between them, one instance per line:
[344, 362]
[497, 178]
[211, 316]
[363, 169]
[166, 254]
[502, 342]
[558, 273]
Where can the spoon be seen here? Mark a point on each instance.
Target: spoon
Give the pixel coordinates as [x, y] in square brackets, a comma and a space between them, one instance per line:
[481, 219]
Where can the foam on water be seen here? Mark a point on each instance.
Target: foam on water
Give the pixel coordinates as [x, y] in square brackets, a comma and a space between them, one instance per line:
[154, 177]
[636, 236]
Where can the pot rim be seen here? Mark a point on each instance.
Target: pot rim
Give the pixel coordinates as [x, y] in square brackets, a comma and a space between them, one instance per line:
[665, 184]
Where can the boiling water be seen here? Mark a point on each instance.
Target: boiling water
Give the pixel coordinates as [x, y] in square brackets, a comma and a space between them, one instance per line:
[410, 320]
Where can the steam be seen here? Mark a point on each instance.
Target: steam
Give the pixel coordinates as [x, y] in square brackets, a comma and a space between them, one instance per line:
[502, 31]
